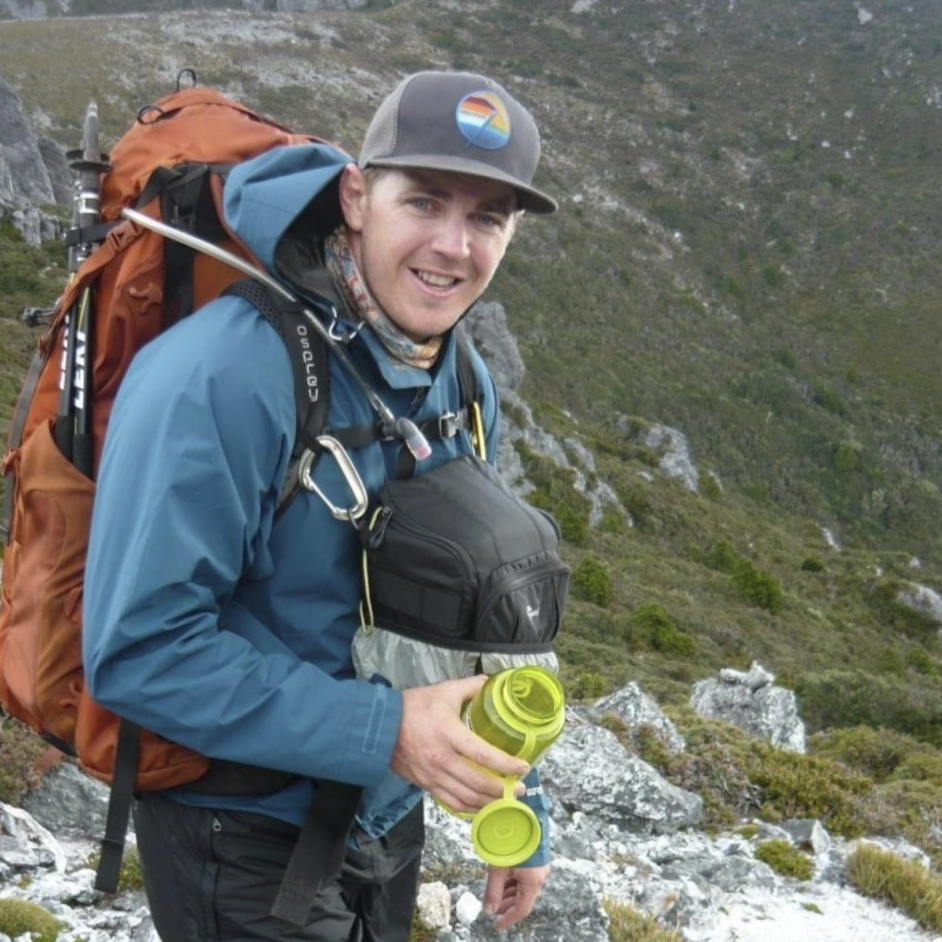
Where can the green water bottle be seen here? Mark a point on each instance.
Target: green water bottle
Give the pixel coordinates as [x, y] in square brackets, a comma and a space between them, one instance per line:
[522, 712]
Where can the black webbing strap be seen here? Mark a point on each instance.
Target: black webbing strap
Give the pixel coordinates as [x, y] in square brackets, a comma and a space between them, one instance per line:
[180, 191]
[318, 855]
[222, 778]
[467, 378]
[119, 807]
[447, 426]
[186, 203]
[307, 352]
[85, 235]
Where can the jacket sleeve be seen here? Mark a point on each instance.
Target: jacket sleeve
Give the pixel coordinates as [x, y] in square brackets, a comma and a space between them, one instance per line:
[196, 449]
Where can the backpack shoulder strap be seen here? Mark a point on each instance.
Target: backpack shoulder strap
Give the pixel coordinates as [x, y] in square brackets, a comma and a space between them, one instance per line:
[470, 390]
[308, 355]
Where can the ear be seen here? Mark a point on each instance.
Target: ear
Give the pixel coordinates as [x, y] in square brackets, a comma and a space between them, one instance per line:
[353, 193]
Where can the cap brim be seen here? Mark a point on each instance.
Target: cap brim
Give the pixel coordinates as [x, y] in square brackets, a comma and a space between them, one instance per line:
[532, 200]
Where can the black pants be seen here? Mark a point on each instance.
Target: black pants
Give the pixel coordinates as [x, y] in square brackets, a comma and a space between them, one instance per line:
[212, 876]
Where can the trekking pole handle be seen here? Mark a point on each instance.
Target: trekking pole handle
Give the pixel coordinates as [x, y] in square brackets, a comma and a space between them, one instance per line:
[87, 165]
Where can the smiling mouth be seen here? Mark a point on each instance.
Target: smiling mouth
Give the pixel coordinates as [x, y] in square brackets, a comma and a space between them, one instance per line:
[435, 281]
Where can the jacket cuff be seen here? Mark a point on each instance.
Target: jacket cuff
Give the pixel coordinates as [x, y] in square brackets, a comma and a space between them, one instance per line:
[537, 801]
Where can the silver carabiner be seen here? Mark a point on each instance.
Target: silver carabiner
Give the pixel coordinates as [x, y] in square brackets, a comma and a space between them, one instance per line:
[350, 473]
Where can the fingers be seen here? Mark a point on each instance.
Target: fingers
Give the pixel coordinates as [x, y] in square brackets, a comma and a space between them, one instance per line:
[510, 894]
[437, 752]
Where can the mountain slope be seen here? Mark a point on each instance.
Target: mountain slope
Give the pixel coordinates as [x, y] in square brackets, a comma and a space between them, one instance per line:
[745, 252]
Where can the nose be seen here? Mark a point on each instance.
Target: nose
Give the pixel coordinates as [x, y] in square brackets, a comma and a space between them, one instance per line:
[452, 237]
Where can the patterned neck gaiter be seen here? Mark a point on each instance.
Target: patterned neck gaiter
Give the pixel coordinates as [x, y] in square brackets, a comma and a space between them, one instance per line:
[342, 266]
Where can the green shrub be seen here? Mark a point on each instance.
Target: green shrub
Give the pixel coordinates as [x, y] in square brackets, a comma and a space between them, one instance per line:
[800, 786]
[828, 398]
[920, 661]
[748, 831]
[757, 587]
[651, 627]
[573, 522]
[554, 492]
[890, 661]
[920, 766]
[739, 777]
[19, 917]
[724, 556]
[876, 753]
[784, 858]
[812, 564]
[628, 925]
[586, 686]
[649, 746]
[908, 808]
[592, 582]
[710, 486]
[847, 456]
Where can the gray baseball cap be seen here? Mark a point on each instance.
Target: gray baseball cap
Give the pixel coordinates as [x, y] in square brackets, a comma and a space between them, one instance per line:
[462, 123]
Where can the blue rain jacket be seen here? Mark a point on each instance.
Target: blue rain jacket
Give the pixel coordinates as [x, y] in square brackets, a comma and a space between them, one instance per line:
[206, 620]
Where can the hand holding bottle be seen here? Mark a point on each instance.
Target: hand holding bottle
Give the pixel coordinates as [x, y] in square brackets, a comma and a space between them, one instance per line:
[438, 752]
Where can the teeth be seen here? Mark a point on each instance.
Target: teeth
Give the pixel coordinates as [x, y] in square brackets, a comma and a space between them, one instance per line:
[436, 281]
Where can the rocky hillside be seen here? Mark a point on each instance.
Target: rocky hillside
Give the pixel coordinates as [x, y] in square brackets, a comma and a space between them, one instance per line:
[626, 841]
[745, 250]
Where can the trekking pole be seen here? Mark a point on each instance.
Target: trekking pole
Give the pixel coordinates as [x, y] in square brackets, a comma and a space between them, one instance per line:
[72, 429]
[401, 428]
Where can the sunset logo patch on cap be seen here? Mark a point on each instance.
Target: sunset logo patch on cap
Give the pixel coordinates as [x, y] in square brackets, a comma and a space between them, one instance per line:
[483, 120]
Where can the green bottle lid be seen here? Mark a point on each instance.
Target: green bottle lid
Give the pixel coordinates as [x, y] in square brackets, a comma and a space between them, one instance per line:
[505, 832]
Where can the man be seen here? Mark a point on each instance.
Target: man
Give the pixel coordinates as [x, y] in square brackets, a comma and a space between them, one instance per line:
[219, 627]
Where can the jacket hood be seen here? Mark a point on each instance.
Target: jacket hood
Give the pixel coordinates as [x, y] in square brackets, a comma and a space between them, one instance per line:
[267, 195]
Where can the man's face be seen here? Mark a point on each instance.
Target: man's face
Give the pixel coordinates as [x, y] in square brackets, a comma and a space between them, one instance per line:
[427, 243]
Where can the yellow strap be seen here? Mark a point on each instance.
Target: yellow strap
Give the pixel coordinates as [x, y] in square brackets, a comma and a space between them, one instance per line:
[478, 439]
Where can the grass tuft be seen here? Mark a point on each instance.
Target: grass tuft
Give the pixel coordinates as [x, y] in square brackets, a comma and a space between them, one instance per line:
[905, 884]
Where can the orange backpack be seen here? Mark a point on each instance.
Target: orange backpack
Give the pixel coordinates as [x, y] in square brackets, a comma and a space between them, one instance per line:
[131, 285]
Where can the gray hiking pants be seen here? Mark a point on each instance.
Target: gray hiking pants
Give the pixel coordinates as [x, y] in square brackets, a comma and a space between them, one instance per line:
[212, 876]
